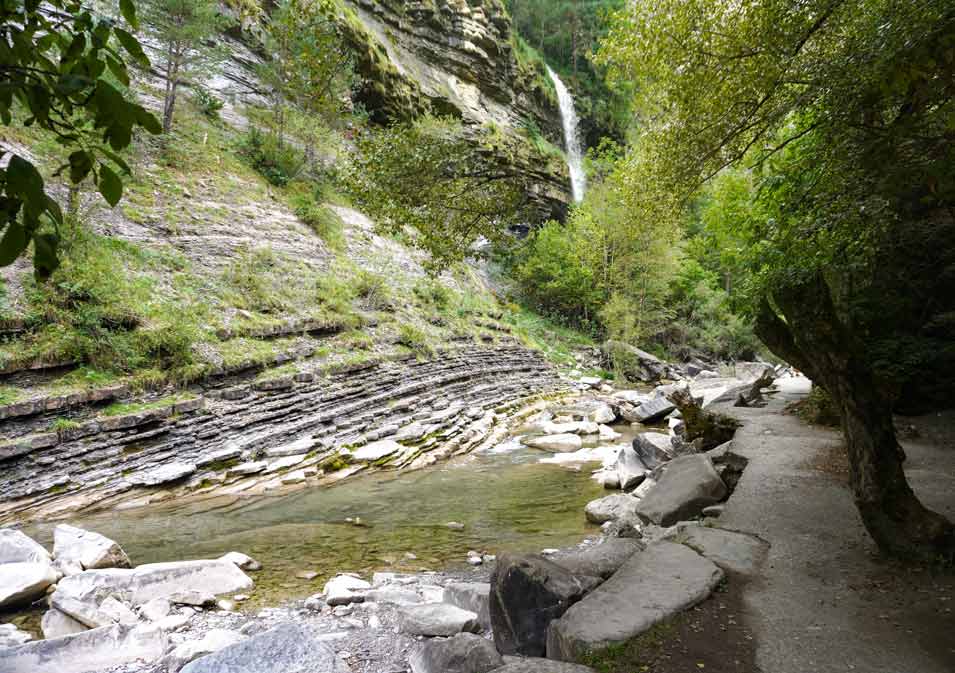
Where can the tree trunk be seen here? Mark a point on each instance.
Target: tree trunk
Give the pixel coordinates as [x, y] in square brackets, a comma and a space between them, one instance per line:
[814, 339]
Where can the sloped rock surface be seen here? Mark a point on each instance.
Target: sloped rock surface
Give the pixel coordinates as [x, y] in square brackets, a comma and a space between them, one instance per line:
[91, 550]
[687, 485]
[91, 651]
[16, 547]
[463, 653]
[21, 583]
[650, 587]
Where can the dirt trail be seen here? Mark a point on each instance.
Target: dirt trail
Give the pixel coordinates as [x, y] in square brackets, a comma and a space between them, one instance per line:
[825, 601]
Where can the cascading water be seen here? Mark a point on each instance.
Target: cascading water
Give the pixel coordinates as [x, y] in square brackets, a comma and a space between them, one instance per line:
[575, 154]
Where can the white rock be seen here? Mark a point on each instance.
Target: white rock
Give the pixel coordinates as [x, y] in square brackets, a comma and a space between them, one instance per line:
[241, 561]
[246, 469]
[155, 609]
[284, 463]
[608, 434]
[55, 624]
[375, 450]
[172, 622]
[213, 641]
[117, 611]
[562, 443]
[345, 589]
[603, 414]
[437, 619]
[163, 474]
[15, 547]
[11, 636]
[22, 583]
[91, 550]
[93, 650]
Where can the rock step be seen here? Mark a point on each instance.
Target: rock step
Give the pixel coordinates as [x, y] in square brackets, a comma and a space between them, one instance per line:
[651, 587]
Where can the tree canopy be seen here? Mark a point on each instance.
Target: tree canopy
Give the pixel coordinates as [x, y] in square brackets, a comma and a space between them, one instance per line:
[842, 112]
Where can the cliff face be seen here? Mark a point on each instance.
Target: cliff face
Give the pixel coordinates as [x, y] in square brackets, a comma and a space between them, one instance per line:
[457, 57]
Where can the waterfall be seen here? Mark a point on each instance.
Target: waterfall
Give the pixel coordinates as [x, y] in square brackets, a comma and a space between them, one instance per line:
[575, 155]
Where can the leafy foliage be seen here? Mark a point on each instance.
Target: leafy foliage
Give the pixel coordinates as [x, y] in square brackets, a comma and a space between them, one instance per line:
[430, 175]
[57, 63]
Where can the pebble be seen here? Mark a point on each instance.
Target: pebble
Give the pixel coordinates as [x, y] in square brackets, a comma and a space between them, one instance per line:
[454, 525]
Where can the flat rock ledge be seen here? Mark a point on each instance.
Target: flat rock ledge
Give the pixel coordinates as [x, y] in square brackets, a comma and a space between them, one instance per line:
[649, 588]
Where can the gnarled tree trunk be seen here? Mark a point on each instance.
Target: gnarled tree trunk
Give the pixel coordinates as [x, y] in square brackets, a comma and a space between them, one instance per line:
[814, 339]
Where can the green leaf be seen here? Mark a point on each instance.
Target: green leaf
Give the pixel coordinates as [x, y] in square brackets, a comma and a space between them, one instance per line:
[24, 180]
[81, 163]
[132, 46]
[45, 261]
[110, 186]
[128, 10]
[118, 68]
[14, 242]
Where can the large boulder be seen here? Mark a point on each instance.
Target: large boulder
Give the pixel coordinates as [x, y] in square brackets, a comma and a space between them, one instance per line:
[154, 580]
[90, 550]
[653, 409]
[600, 560]
[611, 508]
[287, 648]
[603, 414]
[732, 551]
[23, 583]
[11, 636]
[15, 547]
[632, 363]
[55, 624]
[561, 443]
[464, 653]
[436, 619]
[653, 448]
[631, 469]
[91, 651]
[687, 485]
[651, 587]
[471, 596]
[527, 593]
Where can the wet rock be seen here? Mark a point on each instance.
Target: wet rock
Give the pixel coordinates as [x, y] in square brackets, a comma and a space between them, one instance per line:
[90, 550]
[376, 450]
[11, 636]
[600, 560]
[55, 624]
[471, 596]
[287, 648]
[652, 586]
[463, 653]
[241, 561]
[527, 593]
[23, 583]
[566, 442]
[155, 580]
[87, 652]
[436, 619]
[344, 590]
[687, 485]
[15, 547]
[611, 508]
[212, 641]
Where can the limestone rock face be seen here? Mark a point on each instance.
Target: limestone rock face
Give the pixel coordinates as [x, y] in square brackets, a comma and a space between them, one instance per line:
[464, 653]
[687, 485]
[22, 583]
[87, 652]
[15, 547]
[456, 58]
[650, 587]
[154, 580]
[287, 648]
[91, 550]
[527, 593]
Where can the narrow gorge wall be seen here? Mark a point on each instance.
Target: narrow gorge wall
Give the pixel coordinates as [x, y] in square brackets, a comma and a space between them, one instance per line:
[457, 57]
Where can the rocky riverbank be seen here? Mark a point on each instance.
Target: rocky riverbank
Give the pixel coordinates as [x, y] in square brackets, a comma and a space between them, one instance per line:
[104, 615]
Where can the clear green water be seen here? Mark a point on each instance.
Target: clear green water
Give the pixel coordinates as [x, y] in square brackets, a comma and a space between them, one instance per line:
[507, 500]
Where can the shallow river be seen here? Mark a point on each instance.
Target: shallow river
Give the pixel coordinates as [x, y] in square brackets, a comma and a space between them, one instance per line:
[505, 497]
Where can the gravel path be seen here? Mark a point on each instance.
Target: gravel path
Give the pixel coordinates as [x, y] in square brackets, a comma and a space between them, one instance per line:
[826, 601]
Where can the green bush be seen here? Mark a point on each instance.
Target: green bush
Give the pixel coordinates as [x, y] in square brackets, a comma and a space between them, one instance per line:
[278, 162]
[414, 339]
[373, 289]
[255, 282]
[320, 218]
[206, 102]
[431, 293]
